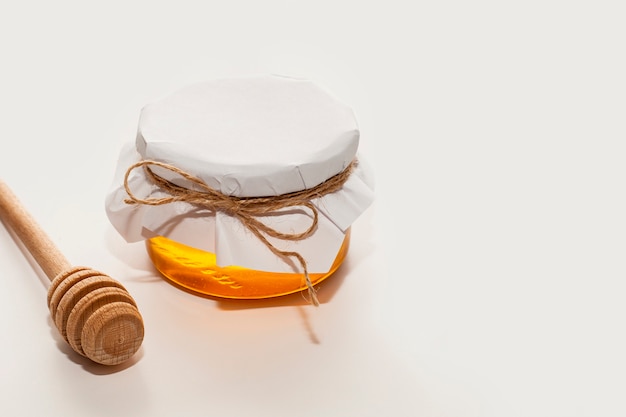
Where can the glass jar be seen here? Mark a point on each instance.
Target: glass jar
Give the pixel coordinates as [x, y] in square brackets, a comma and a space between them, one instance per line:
[243, 138]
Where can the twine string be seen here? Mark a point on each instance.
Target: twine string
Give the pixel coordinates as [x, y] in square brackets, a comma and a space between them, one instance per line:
[244, 209]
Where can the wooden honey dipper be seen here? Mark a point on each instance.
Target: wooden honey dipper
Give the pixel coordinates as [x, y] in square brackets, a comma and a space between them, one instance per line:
[93, 312]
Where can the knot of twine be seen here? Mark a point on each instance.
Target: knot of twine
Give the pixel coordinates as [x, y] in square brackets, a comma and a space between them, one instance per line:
[245, 209]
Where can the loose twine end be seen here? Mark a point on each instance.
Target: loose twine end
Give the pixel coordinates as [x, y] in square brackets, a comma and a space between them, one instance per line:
[312, 291]
[246, 210]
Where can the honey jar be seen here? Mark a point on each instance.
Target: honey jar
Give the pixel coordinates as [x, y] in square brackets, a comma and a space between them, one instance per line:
[243, 187]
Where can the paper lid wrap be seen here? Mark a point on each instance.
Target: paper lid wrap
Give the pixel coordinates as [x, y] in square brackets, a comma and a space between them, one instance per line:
[246, 137]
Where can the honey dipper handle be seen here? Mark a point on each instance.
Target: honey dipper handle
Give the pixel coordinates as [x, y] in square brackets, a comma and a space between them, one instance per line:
[43, 250]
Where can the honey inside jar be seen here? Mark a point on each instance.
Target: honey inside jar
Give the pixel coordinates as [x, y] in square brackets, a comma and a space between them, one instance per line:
[197, 271]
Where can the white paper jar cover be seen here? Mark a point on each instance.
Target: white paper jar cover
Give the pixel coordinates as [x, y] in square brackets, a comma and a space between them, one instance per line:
[246, 137]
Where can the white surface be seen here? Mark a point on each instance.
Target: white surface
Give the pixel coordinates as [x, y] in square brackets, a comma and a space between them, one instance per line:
[486, 280]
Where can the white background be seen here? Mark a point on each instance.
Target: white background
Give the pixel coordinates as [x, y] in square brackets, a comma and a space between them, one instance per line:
[486, 280]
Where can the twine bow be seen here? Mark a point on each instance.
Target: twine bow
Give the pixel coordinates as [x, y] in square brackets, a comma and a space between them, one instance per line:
[245, 209]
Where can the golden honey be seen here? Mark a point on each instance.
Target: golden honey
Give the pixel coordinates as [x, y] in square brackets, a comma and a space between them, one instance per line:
[197, 271]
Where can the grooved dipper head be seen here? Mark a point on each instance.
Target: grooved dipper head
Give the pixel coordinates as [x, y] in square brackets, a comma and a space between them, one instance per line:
[96, 315]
